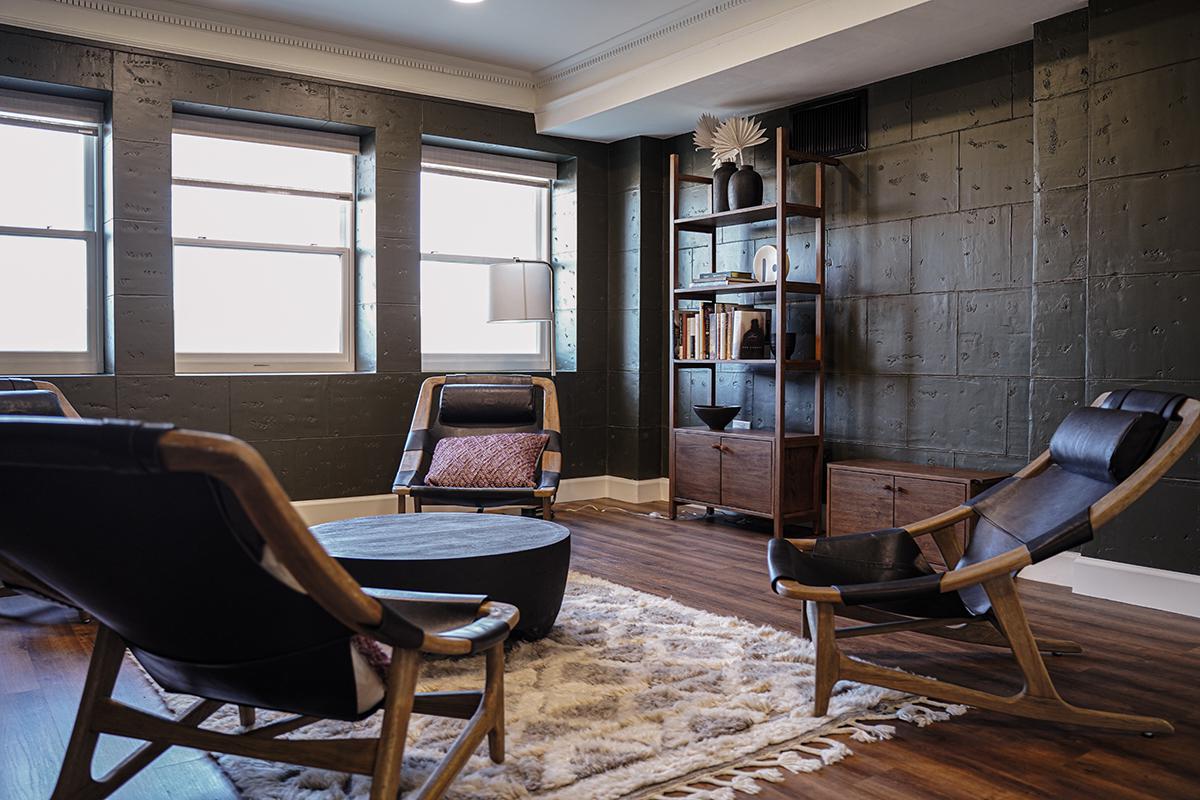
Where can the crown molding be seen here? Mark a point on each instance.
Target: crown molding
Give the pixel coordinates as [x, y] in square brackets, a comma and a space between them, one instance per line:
[626, 43]
[299, 50]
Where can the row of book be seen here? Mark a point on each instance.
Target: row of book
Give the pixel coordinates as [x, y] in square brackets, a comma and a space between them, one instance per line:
[721, 331]
[727, 276]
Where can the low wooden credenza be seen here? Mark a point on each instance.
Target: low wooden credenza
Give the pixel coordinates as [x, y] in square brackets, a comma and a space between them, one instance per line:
[869, 494]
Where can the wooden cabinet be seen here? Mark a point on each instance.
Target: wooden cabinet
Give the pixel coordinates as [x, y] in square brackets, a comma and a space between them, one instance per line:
[737, 470]
[869, 494]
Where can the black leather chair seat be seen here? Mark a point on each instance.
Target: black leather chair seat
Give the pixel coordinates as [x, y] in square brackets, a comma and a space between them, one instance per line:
[883, 569]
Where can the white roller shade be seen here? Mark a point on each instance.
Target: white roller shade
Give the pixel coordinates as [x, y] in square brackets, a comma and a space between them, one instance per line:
[453, 160]
[265, 134]
[26, 105]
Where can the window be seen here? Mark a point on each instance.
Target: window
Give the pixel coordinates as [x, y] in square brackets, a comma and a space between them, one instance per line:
[476, 210]
[49, 256]
[263, 222]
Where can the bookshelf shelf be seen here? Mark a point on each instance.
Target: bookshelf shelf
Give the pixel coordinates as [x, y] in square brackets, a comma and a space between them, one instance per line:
[791, 287]
[797, 365]
[703, 223]
[767, 472]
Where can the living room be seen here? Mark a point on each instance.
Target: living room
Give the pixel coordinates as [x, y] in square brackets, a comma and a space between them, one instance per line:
[492, 398]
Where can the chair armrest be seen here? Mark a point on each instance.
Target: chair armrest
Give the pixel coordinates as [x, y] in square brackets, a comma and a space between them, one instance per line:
[453, 624]
[489, 630]
[945, 519]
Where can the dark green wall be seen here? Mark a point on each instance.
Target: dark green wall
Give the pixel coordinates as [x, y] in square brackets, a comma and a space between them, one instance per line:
[335, 435]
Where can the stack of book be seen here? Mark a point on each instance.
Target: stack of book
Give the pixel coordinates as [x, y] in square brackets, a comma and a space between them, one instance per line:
[717, 331]
[728, 276]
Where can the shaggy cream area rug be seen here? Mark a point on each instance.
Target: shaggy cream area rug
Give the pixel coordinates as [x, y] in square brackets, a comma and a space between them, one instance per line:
[631, 695]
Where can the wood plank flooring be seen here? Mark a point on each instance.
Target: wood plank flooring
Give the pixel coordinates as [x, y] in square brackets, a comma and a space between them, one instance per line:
[1134, 660]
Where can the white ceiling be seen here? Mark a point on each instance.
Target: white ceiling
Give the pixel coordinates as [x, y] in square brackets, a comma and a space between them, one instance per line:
[520, 34]
[591, 69]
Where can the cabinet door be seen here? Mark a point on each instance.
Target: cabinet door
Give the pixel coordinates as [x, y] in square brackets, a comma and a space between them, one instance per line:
[747, 476]
[918, 498]
[698, 467]
[859, 501]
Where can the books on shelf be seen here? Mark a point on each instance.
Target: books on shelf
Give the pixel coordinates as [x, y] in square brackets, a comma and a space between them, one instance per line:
[727, 276]
[720, 331]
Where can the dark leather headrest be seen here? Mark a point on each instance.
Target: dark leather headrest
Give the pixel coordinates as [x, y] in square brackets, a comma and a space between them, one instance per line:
[1105, 444]
[1164, 404]
[38, 402]
[120, 445]
[487, 404]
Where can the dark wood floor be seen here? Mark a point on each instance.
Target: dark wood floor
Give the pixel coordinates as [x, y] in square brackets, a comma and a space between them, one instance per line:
[1135, 660]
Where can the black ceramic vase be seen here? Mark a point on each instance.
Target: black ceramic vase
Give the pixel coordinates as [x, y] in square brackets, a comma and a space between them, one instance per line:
[745, 188]
[720, 186]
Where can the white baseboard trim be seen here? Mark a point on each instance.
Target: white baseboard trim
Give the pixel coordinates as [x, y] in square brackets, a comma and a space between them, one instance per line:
[1147, 587]
[314, 512]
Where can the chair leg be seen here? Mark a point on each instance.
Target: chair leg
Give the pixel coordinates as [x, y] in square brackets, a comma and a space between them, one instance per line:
[75, 780]
[246, 717]
[493, 695]
[547, 508]
[416, 505]
[820, 624]
[401, 693]
[487, 720]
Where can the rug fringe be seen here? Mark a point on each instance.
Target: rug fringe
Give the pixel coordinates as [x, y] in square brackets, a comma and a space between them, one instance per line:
[748, 777]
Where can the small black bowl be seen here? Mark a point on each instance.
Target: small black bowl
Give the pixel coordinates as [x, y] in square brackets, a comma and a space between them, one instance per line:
[789, 340]
[716, 417]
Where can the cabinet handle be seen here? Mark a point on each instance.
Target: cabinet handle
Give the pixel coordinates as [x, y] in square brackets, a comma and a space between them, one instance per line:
[720, 447]
[715, 446]
[889, 488]
[901, 490]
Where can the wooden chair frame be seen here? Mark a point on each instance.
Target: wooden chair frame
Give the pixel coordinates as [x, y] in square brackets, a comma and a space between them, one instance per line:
[243, 470]
[1038, 698]
[551, 461]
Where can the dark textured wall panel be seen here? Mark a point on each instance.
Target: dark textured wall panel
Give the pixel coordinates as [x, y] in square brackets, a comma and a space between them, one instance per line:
[1060, 55]
[1146, 223]
[1144, 327]
[912, 334]
[1060, 239]
[1132, 36]
[964, 94]
[993, 332]
[1147, 121]
[967, 250]
[1061, 159]
[868, 259]
[995, 161]
[1059, 329]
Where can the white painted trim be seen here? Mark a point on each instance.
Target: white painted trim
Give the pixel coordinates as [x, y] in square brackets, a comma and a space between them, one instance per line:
[1147, 587]
[245, 41]
[314, 512]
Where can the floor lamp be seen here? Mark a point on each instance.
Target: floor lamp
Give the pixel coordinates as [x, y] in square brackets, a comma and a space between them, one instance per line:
[522, 290]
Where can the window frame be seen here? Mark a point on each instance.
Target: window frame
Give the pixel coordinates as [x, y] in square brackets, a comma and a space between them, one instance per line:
[344, 360]
[84, 117]
[503, 169]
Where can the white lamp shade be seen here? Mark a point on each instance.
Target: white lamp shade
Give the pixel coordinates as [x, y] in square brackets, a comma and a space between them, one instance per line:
[519, 291]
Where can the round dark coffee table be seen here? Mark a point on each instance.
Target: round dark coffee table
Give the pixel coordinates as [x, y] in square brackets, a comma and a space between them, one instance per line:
[512, 559]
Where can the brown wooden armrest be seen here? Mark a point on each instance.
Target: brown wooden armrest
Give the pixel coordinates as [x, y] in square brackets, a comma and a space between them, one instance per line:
[497, 621]
[802, 544]
[799, 591]
[938, 521]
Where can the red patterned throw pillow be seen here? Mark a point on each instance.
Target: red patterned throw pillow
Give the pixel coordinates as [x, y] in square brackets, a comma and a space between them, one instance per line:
[494, 461]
